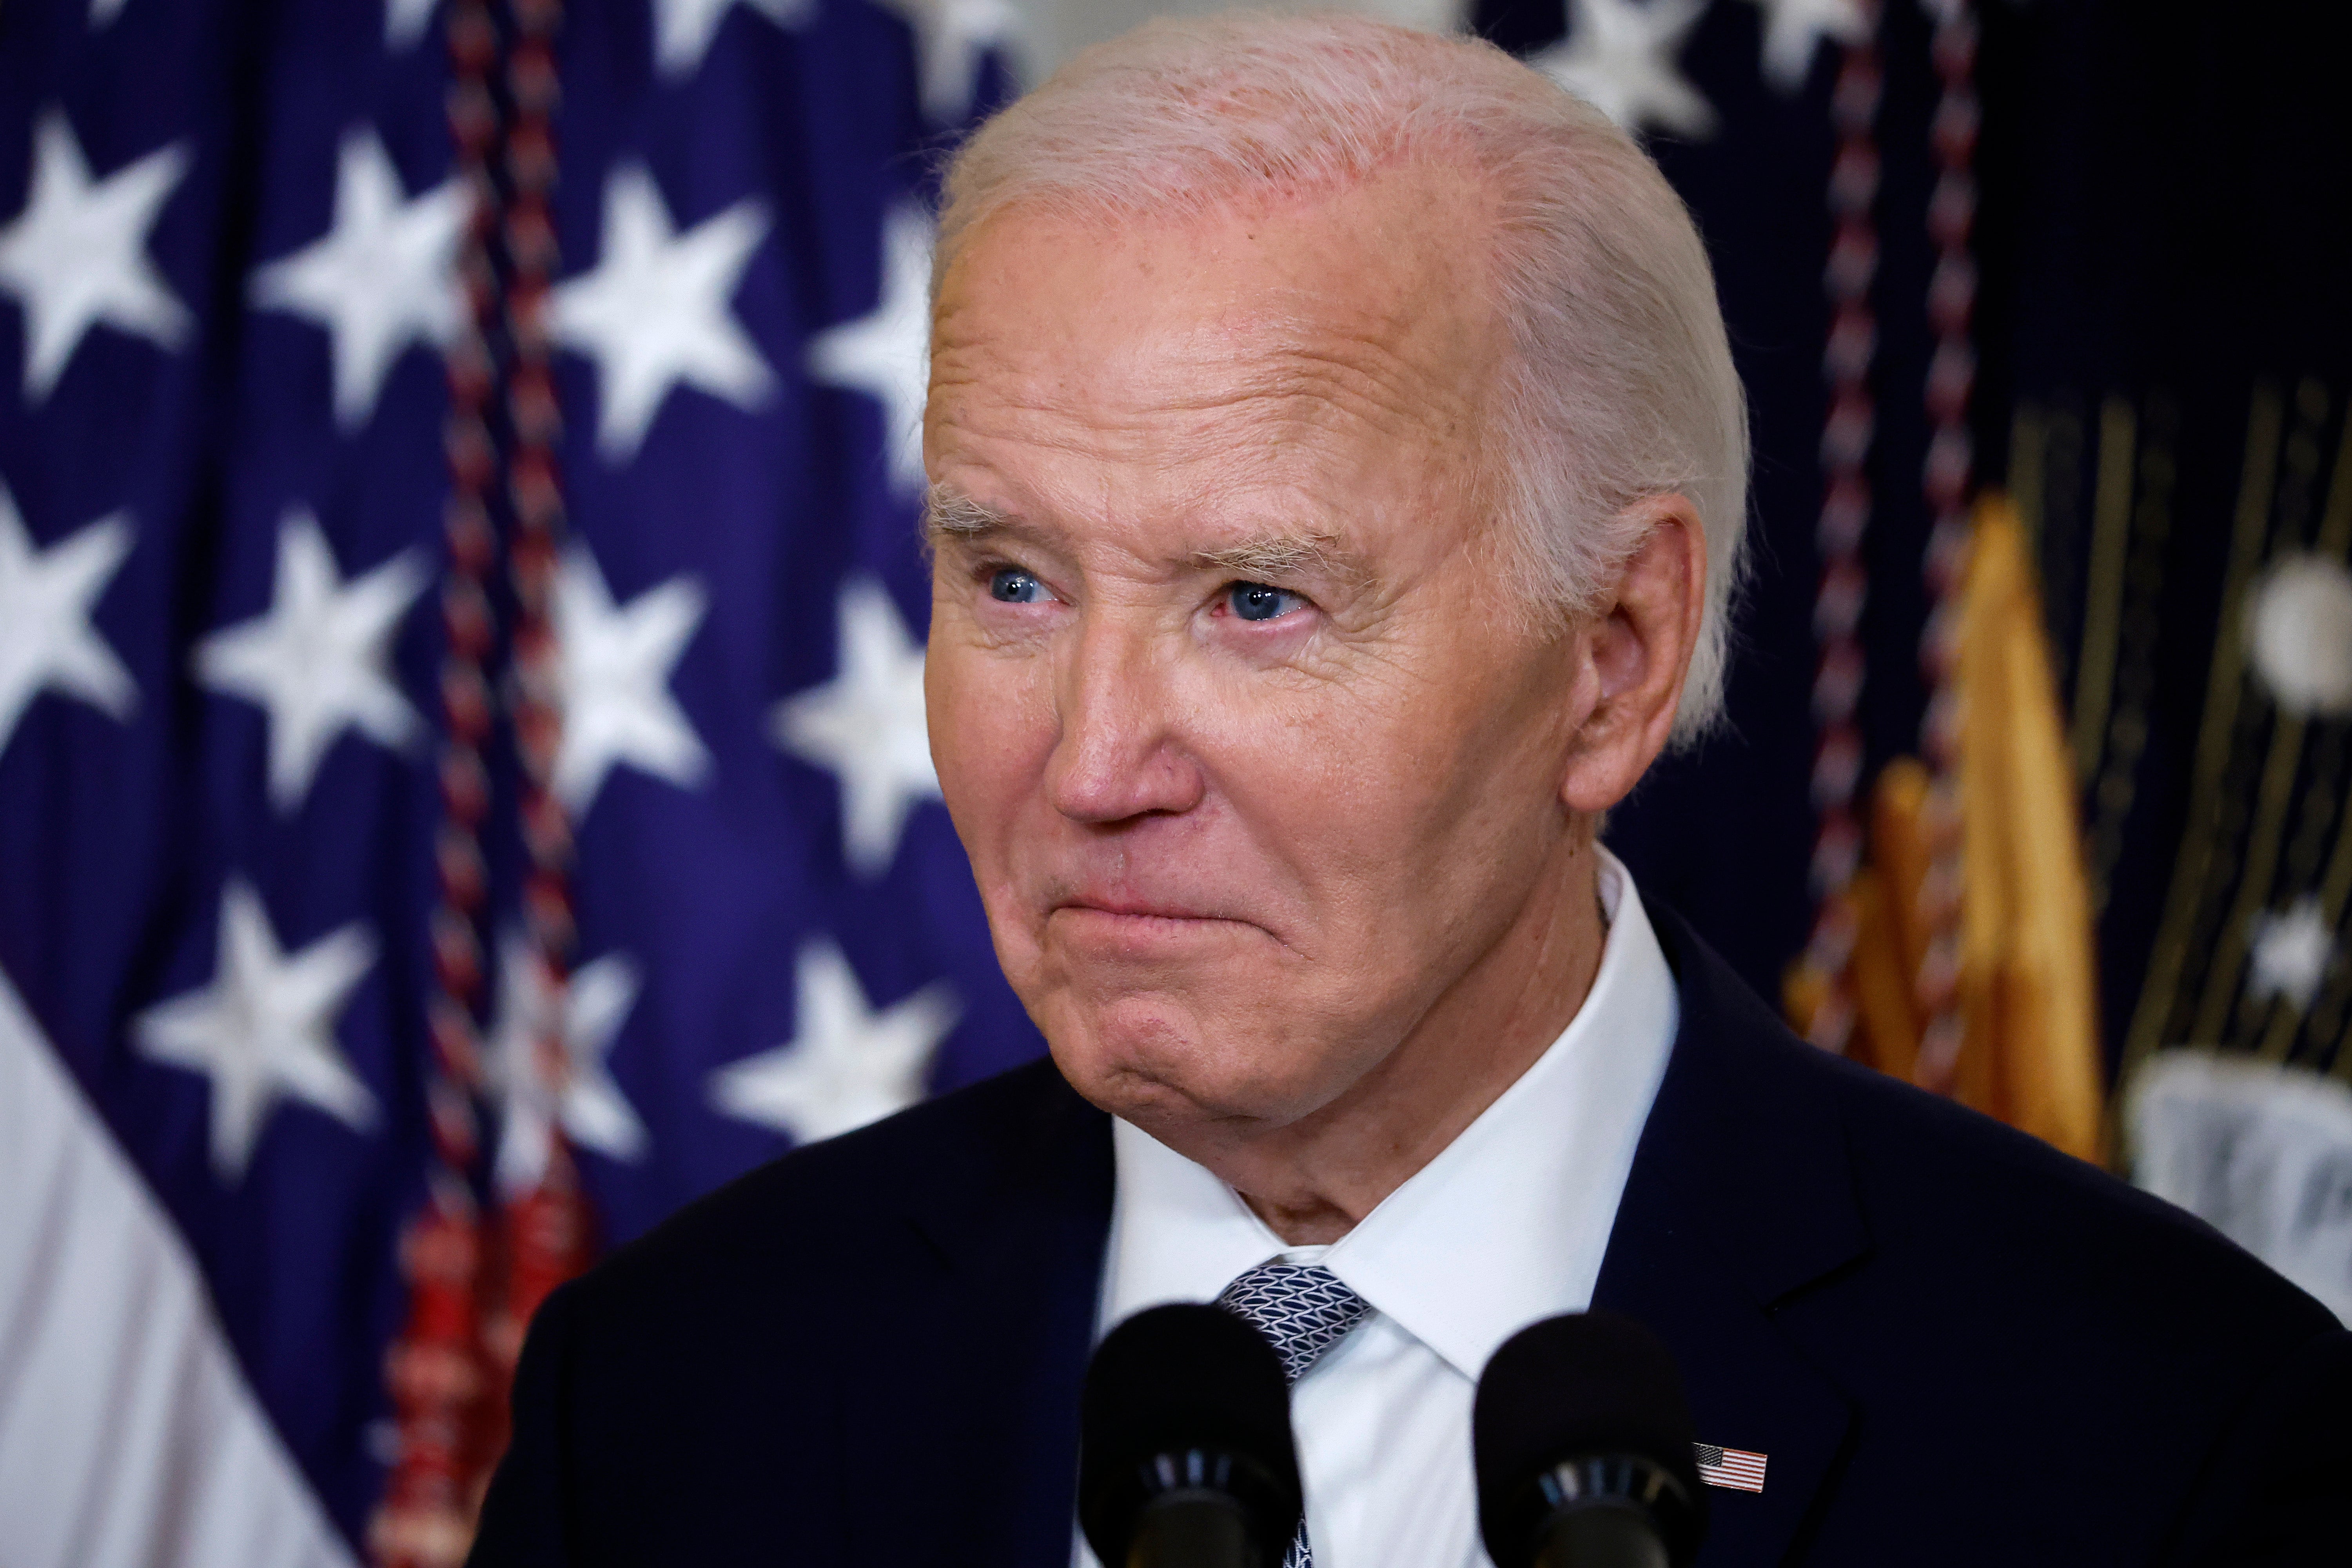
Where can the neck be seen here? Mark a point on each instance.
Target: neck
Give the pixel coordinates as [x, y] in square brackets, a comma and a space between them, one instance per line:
[1313, 1180]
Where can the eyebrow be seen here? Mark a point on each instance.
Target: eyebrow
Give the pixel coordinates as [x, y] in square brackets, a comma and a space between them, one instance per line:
[1282, 555]
[949, 514]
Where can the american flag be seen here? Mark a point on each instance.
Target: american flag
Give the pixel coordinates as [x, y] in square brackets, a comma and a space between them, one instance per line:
[378, 384]
[1733, 1467]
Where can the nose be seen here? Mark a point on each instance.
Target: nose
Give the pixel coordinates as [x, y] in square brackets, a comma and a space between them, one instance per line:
[1119, 754]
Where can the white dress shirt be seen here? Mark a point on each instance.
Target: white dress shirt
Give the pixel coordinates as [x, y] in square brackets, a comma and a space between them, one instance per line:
[1506, 1226]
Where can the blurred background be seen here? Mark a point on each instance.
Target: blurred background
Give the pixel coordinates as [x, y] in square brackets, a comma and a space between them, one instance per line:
[462, 785]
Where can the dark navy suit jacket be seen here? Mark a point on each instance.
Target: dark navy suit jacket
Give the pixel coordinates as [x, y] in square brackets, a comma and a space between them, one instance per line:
[1956, 1345]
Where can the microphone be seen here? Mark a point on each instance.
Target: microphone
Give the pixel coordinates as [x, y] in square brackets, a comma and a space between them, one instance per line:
[1583, 1440]
[1185, 1458]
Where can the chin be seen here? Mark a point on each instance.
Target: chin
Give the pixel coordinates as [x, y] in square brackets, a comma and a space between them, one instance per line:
[1168, 1067]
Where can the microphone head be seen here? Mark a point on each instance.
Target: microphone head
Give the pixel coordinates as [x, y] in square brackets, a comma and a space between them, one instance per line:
[1185, 1398]
[1583, 1386]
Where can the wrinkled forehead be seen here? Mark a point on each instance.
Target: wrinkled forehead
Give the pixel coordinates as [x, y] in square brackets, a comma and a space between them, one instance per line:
[1361, 314]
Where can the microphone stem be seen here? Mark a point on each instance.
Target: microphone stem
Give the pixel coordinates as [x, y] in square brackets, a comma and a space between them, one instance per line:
[1600, 1537]
[1193, 1530]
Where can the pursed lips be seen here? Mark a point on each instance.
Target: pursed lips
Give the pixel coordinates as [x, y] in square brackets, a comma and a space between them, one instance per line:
[1126, 921]
[1141, 908]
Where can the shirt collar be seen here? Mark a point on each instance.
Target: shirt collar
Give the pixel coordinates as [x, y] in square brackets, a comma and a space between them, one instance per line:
[1508, 1225]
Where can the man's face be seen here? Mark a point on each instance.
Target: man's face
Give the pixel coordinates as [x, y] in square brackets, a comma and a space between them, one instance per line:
[1253, 757]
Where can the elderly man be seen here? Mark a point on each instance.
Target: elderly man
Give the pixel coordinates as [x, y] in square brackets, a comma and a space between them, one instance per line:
[1337, 477]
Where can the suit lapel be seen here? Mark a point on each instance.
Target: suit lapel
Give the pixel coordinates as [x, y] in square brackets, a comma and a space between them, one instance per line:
[964, 1442]
[1741, 1196]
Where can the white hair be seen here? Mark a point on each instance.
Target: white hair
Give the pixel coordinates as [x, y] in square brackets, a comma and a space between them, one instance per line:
[1619, 385]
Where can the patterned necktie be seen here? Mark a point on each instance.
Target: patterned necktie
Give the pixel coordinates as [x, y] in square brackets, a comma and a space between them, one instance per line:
[1303, 1310]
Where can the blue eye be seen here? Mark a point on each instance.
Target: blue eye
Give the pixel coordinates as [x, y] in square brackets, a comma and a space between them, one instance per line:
[1257, 602]
[1013, 587]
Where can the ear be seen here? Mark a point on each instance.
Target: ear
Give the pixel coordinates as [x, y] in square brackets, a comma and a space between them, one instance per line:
[1635, 653]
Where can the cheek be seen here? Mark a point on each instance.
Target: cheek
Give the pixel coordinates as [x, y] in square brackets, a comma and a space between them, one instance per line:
[1396, 805]
[991, 732]
[1339, 776]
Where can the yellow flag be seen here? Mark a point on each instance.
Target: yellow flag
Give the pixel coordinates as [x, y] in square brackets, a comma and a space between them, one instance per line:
[2019, 978]
[2030, 1052]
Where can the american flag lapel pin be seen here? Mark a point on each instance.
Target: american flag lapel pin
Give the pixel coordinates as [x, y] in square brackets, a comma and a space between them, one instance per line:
[1733, 1467]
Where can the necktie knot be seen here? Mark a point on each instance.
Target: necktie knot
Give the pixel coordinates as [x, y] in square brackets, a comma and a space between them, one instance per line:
[1302, 1308]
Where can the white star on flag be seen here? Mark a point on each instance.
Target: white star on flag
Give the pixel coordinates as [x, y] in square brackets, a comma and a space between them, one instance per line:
[867, 725]
[846, 1065]
[588, 1105]
[1619, 57]
[655, 311]
[683, 29]
[382, 277]
[2292, 954]
[264, 1029]
[615, 667]
[77, 255]
[1793, 31]
[951, 38]
[46, 641]
[886, 353]
[320, 659]
[404, 22]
